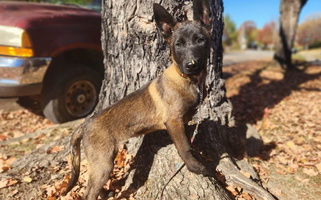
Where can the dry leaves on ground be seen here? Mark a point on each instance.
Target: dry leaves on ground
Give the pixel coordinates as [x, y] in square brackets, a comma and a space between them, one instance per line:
[18, 123]
[285, 109]
[283, 106]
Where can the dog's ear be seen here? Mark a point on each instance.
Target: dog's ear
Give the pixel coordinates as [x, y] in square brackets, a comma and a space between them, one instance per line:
[164, 21]
[202, 12]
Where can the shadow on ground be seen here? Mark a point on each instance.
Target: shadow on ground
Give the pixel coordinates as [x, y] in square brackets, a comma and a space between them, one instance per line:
[263, 92]
[258, 87]
[31, 103]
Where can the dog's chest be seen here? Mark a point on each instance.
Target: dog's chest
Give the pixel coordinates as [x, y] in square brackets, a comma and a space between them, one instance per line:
[192, 95]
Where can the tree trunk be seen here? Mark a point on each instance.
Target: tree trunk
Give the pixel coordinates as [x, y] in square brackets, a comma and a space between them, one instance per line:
[135, 53]
[289, 15]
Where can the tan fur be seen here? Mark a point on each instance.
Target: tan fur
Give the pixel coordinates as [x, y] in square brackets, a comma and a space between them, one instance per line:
[144, 111]
[166, 103]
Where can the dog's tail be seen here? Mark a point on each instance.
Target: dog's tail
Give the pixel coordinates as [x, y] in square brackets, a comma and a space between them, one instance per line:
[75, 157]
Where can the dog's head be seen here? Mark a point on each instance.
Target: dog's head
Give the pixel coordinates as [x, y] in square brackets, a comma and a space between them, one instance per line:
[189, 40]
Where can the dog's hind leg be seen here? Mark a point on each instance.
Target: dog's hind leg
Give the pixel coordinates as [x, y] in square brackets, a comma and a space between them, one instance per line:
[100, 165]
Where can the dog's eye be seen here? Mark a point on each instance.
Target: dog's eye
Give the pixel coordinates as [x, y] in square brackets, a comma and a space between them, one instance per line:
[179, 44]
[200, 40]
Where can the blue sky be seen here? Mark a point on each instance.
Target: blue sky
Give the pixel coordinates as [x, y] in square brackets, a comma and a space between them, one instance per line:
[263, 11]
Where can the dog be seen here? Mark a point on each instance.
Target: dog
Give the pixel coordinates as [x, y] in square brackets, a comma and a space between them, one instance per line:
[166, 103]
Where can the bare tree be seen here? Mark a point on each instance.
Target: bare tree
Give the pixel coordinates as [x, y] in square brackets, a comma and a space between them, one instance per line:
[289, 15]
[134, 54]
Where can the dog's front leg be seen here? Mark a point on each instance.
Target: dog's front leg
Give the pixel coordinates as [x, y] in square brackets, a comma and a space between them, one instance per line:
[176, 130]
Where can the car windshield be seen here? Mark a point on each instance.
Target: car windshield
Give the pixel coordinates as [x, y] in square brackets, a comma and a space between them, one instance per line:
[91, 4]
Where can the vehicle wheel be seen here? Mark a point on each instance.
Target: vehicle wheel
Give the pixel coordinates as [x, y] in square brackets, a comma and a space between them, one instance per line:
[70, 94]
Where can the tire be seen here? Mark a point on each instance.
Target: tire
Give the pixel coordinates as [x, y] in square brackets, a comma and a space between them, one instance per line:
[70, 94]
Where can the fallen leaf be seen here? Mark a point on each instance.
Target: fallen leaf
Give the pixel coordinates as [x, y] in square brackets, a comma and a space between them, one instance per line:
[25, 140]
[318, 166]
[4, 168]
[10, 160]
[62, 186]
[3, 183]
[301, 179]
[318, 138]
[56, 149]
[51, 192]
[27, 179]
[292, 146]
[7, 182]
[299, 140]
[2, 137]
[231, 189]
[121, 158]
[280, 172]
[310, 172]
[12, 182]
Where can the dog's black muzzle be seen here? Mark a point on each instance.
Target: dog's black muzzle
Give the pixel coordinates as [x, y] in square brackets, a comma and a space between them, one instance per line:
[192, 67]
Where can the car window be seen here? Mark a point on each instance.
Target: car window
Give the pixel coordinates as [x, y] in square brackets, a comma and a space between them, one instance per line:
[91, 4]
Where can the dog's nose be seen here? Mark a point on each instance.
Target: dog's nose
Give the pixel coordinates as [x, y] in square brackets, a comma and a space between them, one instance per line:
[191, 65]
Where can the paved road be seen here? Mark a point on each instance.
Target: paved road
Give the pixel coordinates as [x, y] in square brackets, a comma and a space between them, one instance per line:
[234, 57]
[13, 104]
[229, 58]
[9, 104]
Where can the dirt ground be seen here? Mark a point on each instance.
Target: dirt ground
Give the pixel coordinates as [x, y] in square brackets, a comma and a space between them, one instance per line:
[285, 107]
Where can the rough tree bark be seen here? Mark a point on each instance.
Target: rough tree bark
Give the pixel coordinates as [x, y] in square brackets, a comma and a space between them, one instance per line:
[135, 53]
[289, 15]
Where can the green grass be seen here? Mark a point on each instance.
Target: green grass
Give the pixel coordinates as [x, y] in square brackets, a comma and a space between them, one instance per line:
[298, 58]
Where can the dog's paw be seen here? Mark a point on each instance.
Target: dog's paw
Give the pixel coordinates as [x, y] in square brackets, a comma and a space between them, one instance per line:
[197, 168]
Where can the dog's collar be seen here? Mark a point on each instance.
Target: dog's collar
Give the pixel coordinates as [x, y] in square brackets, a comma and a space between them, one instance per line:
[194, 79]
[179, 71]
[183, 75]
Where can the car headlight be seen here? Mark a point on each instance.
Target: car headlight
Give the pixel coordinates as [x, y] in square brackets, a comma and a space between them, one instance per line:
[15, 42]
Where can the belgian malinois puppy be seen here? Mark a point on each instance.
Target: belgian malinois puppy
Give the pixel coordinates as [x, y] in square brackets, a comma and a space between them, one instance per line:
[168, 102]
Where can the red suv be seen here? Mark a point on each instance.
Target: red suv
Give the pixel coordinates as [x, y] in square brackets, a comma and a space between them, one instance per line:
[53, 51]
